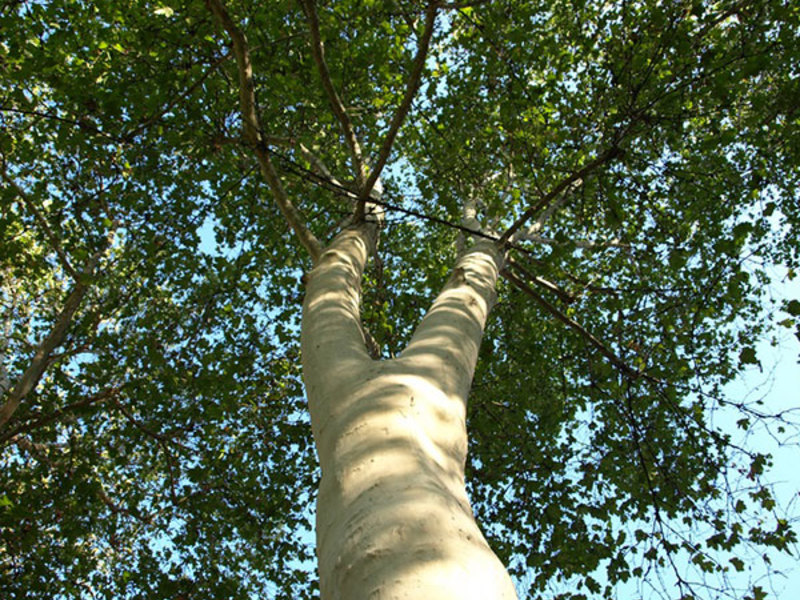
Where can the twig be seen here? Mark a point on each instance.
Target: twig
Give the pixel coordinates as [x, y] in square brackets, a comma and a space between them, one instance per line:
[118, 509]
[583, 244]
[460, 5]
[637, 439]
[315, 161]
[81, 123]
[541, 282]
[177, 98]
[163, 439]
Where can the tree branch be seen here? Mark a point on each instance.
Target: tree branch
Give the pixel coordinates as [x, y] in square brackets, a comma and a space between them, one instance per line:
[57, 414]
[319, 167]
[583, 244]
[119, 509]
[318, 52]
[156, 116]
[289, 212]
[574, 325]
[251, 130]
[607, 156]
[541, 282]
[545, 215]
[83, 124]
[30, 378]
[5, 380]
[163, 439]
[247, 97]
[39, 217]
[460, 5]
[412, 85]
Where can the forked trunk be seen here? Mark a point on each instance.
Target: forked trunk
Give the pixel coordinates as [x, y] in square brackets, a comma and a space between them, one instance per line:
[393, 518]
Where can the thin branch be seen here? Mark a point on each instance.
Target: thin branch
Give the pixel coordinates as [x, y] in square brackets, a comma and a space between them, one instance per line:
[177, 98]
[163, 439]
[601, 160]
[574, 325]
[252, 131]
[316, 162]
[583, 244]
[654, 496]
[412, 85]
[81, 123]
[548, 212]
[48, 233]
[57, 414]
[119, 509]
[565, 297]
[5, 380]
[318, 52]
[460, 5]
[341, 190]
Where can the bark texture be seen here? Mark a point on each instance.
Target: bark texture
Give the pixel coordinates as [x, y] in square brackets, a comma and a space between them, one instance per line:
[393, 518]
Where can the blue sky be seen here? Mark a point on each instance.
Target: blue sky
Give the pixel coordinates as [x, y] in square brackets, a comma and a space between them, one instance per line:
[778, 385]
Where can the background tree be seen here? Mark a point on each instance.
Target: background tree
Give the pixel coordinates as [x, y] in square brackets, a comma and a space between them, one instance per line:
[637, 163]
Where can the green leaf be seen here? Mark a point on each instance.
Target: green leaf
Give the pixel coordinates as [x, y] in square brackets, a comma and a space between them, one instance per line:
[747, 356]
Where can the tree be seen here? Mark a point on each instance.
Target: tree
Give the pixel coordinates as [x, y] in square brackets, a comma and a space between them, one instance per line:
[592, 197]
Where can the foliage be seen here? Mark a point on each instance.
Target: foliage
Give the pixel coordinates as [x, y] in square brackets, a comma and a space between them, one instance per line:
[165, 451]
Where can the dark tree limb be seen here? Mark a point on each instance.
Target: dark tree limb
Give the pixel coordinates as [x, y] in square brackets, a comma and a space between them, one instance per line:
[99, 398]
[161, 438]
[574, 325]
[560, 187]
[541, 282]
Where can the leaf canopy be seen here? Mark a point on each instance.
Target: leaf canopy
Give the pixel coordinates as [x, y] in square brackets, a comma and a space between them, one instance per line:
[165, 451]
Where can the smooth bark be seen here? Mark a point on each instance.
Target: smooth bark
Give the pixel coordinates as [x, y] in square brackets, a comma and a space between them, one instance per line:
[393, 517]
[30, 378]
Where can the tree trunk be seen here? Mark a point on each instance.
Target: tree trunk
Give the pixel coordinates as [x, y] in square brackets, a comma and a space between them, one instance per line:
[393, 518]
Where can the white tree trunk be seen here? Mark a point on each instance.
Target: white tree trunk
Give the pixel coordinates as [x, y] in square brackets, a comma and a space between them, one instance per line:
[393, 518]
